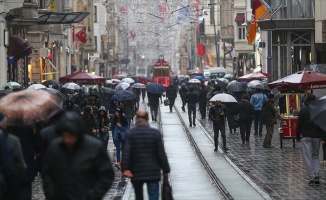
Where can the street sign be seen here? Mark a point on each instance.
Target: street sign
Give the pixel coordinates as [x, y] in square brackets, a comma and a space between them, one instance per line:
[11, 60]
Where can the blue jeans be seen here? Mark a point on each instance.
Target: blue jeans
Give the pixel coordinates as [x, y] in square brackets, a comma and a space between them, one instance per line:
[258, 122]
[117, 144]
[152, 189]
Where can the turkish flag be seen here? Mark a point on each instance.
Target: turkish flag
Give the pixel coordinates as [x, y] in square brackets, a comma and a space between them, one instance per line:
[81, 35]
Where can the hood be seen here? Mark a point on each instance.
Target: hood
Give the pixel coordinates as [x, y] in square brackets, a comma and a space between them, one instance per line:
[70, 101]
[71, 122]
[102, 108]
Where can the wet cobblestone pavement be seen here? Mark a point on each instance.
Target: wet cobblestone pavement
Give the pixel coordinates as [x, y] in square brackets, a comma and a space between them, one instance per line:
[280, 172]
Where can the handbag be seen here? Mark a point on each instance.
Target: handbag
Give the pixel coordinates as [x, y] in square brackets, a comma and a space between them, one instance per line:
[166, 102]
[236, 118]
[166, 189]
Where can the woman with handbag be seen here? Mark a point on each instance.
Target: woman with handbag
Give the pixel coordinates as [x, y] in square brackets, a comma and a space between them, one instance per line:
[103, 126]
[244, 116]
[119, 126]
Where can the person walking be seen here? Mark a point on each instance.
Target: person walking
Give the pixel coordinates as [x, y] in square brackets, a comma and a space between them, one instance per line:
[171, 94]
[310, 135]
[217, 114]
[76, 166]
[103, 126]
[144, 157]
[246, 113]
[153, 102]
[269, 114]
[191, 99]
[202, 101]
[182, 92]
[89, 120]
[257, 101]
[72, 107]
[143, 94]
[119, 126]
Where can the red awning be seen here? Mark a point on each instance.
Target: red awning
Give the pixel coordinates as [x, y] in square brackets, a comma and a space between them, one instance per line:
[240, 17]
[18, 47]
[82, 77]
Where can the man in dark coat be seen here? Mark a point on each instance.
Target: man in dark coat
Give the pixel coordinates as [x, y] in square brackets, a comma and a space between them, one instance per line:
[153, 102]
[246, 113]
[217, 115]
[76, 166]
[269, 118]
[72, 107]
[191, 99]
[182, 92]
[171, 94]
[144, 156]
[202, 96]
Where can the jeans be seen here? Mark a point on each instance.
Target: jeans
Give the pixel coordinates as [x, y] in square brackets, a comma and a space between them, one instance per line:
[245, 130]
[154, 111]
[269, 135]
[217, 127]
[310, 148]
[152, 189]
[172, 101]
[117, 144]
[258, 122]
[192, 110]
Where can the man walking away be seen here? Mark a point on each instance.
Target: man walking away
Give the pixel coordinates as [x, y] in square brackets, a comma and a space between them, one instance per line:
[76, 166]
[217, 114]
[144, 157]
[153, 102]
[246, 112]
[182, 92]
[202, 97]
[171, 94]
[269, 114]
[191, 99]
[257, 101]
[310, 134]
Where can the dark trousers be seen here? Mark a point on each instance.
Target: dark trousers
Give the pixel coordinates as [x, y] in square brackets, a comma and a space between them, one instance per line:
[172, 101]
[245, 130]
[183, 102]
[324, 150]
[269, 135]
[154, 111]
[143, 94]
[152, 189]
[202, 109]
[24, 191]
[217, 127]
[192, 111]
[231, 124]
[258, 122]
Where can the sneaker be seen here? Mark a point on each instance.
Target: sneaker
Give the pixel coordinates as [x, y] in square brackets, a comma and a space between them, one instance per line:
[311, 183]
[225, 149]
[194, 124]
[215, 149]
[317, 182]
[190, 125]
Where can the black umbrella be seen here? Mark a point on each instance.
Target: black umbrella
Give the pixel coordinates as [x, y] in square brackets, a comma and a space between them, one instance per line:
[108, 90]
[235, 86]
[50, 82]
[317, 111]
[4, 93]
[57, 93]
[155, 88]
[125, 95]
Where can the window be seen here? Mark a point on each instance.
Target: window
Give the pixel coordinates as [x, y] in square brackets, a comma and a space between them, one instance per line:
[212, 15]
[95, 14]
[242, 33]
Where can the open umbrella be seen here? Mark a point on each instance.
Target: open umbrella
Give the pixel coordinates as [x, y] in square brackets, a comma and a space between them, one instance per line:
[108, 90]
[228, 76]
[139, 85]
[29, 106]
[116, 81]
[71, 86]
[50, 82]
[11, 85]
[5, 92]
[128, 80]
[235, 86]
[194, 81]
[122, 86]
[223, 97]
[36, 87]
[155, 88]
[255, 84]
[317, 110]
[57, 93]
[254, 76]
[125, 95]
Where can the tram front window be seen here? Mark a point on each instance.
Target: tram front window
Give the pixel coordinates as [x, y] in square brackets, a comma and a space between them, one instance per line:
[161, 72]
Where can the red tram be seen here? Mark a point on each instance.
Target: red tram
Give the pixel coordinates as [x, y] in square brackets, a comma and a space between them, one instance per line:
[161, 73]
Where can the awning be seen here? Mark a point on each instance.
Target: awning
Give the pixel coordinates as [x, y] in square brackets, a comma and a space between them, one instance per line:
[240, 17]
[62, 18]
[18, 47]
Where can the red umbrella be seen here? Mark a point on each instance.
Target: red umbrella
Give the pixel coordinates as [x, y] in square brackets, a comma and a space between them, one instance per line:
[82, 77]
[254, 76]
[302, 80]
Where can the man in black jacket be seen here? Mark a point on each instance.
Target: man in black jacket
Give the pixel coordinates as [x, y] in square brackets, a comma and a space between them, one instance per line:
[144, 156]
[171, 94]
[269, 114]
[202, 101]
[191, 99]
[182, 92]
[76, 166]
[217, 114]
[310, 134]
[153, 102]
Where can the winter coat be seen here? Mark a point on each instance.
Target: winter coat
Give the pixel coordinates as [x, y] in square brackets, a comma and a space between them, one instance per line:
[100, 123]
[129, 109]
[89, 123]
[171, 92]
[82, 173]
[119, 131]
[73, 108]
[182, 92]
[269, 113]
[305, 128]
[48, 135]
[215, 114]
[113, 107]
[153, 99]
[246, 111]
[257, 100]
[231, 107]
[17, 155]
[202, 97]
[143, 154]
[191, 98]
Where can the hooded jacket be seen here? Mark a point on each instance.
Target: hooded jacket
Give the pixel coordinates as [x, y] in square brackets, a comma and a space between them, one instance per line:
[257, 101]
[246, 111]
[171, 92]
[268, 113]
[116, 130]
[73, 108]
[113, 107]
[102, 121]
[83, 172]
[215, 114]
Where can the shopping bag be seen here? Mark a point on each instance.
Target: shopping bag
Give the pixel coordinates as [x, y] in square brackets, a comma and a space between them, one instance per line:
[166, 102]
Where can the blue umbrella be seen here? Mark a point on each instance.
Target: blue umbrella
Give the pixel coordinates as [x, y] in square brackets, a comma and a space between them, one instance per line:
[155, 88]
[125, 95]
[199, 77]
